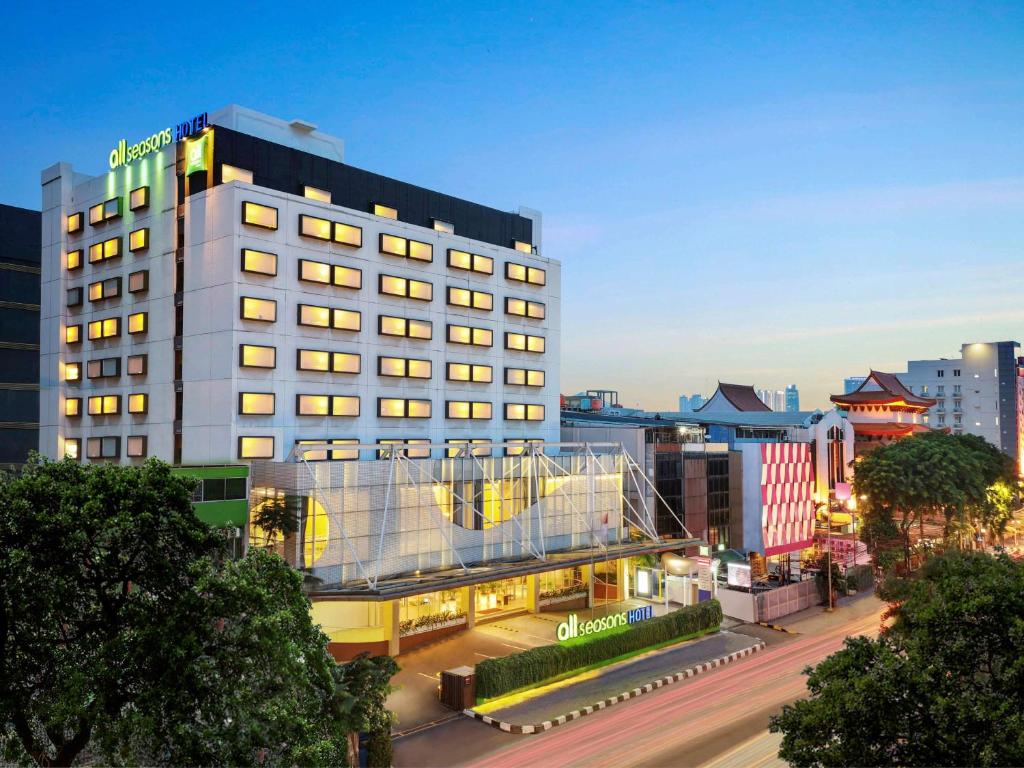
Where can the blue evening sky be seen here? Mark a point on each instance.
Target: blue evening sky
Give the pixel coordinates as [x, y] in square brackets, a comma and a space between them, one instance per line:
[762, 193]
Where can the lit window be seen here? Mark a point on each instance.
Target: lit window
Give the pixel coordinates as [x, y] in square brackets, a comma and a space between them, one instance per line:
[320, 195]
[385, 210]
[479, 374]
[524, 412]
[256, 403]
[72, 372]
[318, 317]
[534, 310]
[347, 234]
[104, 405]
[256, 356]
[444, 226]
[464, 334]
[393, 245]
[460, 447]
[348, 277]
[524, 377]
[138, 282]
[138, 240]
[105, 329]
[406, 288]
[472, 262]
[335, 454]
[402, 326]
[421, 251]
[405, 450]
[464, 297]
[464, 409]
[324, 361]
[398, 408]
[259, 215]
[255, 447]
[73, 406]
[259, 262]
[105, 289]
[75, 223]
[522, 247]
[107, 249]
[96, 214]
[326, 405]
[138, 198]
[138, 403]
[524, 342]
[138, 322]
[72, 334]
[229, 173]
[103, 447]
[523, 274]
[74, 297]
[404, 367]
[519, 447]
[311, 226]
[314, 271]
[74, 260]
[136, 446]
[264, 310]
[346, 319]
[137, 365]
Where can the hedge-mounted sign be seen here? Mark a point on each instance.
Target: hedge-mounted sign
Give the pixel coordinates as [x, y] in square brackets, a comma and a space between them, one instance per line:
[572, 627]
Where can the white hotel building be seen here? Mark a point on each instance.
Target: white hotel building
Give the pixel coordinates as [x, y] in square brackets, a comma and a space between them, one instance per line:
[268, 294]
[221, 297]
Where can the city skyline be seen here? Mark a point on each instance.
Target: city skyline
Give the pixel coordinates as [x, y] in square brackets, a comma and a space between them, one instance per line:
[730, 226]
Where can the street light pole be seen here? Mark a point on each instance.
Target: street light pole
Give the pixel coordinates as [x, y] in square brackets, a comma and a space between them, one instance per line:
[828, 540]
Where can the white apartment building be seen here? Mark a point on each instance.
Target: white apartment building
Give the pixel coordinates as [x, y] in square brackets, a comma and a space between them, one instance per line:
[230, 287]
[975, 393]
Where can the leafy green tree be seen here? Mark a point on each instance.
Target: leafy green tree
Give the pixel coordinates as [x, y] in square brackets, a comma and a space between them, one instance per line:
[363, 685]
[934, 476]
[944, 685]
[127, 635]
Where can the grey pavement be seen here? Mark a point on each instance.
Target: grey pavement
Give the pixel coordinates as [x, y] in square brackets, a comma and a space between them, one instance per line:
[622, 677]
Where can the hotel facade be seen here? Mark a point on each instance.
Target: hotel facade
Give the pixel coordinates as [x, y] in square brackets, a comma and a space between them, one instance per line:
[381, 359]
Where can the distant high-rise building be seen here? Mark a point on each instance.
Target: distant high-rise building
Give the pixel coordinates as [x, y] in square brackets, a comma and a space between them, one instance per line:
[690, 403]
[851, 383]
[773, 398]
[792, 399]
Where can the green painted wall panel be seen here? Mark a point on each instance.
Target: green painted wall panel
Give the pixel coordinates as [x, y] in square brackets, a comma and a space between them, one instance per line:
[234, 512]
[213, 473]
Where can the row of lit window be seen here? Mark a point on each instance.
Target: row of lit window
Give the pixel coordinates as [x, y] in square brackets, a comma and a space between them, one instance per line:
[107, 328]
[106, 368]
[264, 404]
[104, 250]
[324, 361]
[262, 447]
[106, 405]
[266, 217]
[105, 447]
[108, 210]
[315, 316]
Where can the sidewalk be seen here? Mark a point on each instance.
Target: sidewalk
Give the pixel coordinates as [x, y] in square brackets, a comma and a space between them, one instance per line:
[554, 701]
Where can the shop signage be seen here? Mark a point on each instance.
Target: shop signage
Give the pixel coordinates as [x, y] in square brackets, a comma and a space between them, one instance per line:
[125, 153]
[738, 574]
[572, 626]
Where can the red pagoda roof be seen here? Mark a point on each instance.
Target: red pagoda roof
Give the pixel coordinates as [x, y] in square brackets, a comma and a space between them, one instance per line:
[891, 390]
[742, 396]
[888, 429]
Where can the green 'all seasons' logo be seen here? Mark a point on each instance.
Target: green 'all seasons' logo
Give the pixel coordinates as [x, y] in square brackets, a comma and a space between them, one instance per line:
[125, 153]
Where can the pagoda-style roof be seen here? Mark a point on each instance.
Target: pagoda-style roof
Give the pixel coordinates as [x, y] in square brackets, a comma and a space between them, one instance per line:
[888, 429]
[883, 389]
[734, 397]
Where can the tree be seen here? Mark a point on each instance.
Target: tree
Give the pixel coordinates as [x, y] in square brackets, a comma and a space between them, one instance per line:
[944, 685]
[934, 476]
[125, 631]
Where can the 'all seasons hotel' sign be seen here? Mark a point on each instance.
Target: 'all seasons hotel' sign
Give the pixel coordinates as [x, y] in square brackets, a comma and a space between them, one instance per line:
[572, 627]
[125, 153]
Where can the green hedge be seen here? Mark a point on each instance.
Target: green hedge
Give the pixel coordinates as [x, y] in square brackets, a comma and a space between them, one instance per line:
[497, 676]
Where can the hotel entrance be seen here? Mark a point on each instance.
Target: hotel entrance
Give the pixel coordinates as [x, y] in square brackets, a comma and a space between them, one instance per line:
[499, 598]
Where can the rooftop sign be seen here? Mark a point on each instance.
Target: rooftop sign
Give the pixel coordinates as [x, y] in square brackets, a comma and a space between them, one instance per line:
[124, 153]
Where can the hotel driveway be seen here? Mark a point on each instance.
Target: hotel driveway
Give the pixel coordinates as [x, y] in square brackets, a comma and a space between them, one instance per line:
[416, 703]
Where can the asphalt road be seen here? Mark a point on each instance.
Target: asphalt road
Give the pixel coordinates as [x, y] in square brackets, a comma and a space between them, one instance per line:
[719, 718]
